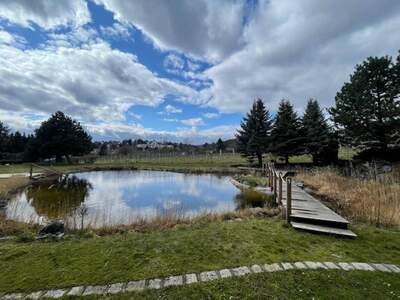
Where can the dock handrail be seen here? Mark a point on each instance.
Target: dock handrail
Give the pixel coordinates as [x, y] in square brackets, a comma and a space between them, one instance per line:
[49, 170]
[276, 180]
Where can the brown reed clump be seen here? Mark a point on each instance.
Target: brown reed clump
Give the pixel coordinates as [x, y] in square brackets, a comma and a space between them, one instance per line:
[374, 202]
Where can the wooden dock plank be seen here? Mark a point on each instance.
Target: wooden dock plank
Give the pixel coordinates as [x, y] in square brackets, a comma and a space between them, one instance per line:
[308, 213]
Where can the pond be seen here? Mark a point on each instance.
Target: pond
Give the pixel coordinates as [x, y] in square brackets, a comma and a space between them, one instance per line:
[107, 198]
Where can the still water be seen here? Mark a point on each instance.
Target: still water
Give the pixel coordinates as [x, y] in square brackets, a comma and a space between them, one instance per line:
[105, 198]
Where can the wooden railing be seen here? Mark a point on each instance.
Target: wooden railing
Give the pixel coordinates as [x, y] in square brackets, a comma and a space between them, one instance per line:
[48, 170]
[276, 180]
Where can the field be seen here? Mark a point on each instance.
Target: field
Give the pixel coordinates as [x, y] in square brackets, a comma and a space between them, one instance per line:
[368, 201]
[183, 249]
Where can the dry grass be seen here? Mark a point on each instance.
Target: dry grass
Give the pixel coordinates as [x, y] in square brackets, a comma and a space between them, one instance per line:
[8, 185]
[171, 221]
[374, 202]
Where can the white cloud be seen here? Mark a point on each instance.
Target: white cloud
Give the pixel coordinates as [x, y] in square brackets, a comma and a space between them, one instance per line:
[302, 49]
[210, 115]
[90, 83]
[205, 28]
[172, 109]
[174, 62]
[193, 122]
[45, 13]
[118, 131]
[6, 38]
[80, 36]
[116, 31]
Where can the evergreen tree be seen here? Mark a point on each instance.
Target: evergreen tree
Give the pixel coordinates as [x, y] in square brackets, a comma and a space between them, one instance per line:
[103, 149]
[62, 136]
[319, 140]
[4, 135]
[367, 109]
[286, 134]
[220, 146]
[254, 136]
[17, 142]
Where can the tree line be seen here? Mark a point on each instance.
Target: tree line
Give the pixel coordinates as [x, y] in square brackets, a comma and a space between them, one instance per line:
[365, 116]
[60, 136]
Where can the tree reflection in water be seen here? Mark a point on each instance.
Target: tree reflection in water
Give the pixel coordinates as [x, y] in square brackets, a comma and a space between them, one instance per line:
[58, 200]
[249, 198]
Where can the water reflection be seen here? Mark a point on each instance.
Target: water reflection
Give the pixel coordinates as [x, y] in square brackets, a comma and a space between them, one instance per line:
[122, 197]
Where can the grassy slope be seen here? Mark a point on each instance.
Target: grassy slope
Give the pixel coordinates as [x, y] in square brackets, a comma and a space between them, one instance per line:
[201, 247]
[282, 285]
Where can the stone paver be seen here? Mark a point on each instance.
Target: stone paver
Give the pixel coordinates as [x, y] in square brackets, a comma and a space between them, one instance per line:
[14, 296]
[394, 268]
[34, 295]
[331, 265]
[155, 283]
[225, 273]
[287, 266]
[315, 265]
[362, 266]
[346, 266]
[300, 265]
[272, 267]
[135, 285]
[76, 291]
[207, 276]
[116, 288]
[173, 280]
[55, 293]
[256, 269]
[191, 278]
[95, 290]
[381, 267]
[240, 271]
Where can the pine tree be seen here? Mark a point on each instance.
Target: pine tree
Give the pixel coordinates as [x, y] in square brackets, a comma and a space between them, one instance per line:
[254, 136]
[286, 134]
[220, 146]
[367, 109]
[4, 136]
[61, 136]
[319, 140]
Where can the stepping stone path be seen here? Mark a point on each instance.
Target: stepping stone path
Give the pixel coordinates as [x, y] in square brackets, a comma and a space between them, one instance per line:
[157, 283]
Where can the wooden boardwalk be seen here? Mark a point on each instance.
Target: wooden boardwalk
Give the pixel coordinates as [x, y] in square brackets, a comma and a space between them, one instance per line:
[308, 213]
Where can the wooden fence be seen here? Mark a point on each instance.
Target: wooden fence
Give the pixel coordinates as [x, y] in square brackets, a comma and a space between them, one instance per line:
[276, 180]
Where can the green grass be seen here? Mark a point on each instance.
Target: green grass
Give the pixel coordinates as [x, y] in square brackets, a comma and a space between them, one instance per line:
[282, 285]
[188, 163]
[185, 249]
[253, 180]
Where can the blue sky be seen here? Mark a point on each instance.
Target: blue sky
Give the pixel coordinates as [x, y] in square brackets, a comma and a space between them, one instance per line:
[179, 70]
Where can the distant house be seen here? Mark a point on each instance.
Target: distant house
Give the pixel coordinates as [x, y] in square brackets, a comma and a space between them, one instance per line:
[154, 146]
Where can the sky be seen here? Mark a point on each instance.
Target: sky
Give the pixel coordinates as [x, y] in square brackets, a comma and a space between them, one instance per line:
[180, 70]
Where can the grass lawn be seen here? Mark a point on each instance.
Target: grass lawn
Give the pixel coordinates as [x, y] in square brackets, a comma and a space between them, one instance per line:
[200, 247]
[292, 284]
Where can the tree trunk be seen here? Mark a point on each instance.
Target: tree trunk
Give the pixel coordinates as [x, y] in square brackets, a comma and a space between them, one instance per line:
[259, 157]
[58, 158]
[286, 159]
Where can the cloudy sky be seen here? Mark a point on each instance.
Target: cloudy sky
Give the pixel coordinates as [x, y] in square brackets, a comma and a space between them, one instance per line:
[180, 70]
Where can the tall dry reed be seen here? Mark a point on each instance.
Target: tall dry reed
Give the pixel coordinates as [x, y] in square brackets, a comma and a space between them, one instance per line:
[370, 201]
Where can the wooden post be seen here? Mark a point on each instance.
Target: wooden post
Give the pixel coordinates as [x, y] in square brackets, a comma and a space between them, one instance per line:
[275, 186]
[288, 198]
[280, 188]
[30, 172]
[269, 176]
